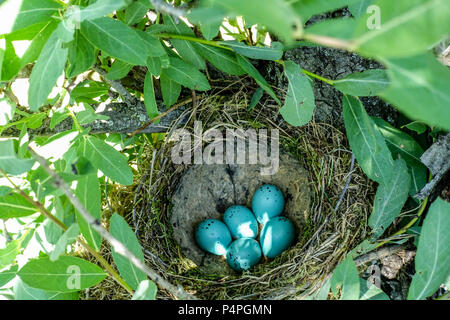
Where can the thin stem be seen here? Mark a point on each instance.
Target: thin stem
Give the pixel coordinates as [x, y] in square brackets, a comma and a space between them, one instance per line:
[313, 75]
[193, 39]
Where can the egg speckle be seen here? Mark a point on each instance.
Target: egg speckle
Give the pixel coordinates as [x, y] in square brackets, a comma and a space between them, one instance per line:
[267, 202]
[276, 236]
[243, 254]
[241, 222]
[213, 236]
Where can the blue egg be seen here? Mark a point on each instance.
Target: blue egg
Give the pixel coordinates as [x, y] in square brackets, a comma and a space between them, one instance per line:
[213, 236]
[243, 254]
[276, 236]
[267, 202]
[241, 222]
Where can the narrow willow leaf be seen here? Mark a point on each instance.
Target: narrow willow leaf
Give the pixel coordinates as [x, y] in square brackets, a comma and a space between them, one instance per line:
[256, 98]
[299, 104]
[154, 46]
[107, 159]
[209, 19]
[404, 146]
[185, 48]
[15, 206]
[366, 83]
[9, 161]
[145, 291]
[220, 58]
[17, 15]
[149, 97]
[88, 192]
[366, 141]
[52, 231]
[433, 252]
[66, 274]
[210, 30]
[99, 9]
[8, 274]
[371, 292]
[346, 277]
[66, 239]
[186, 75]
[390, 198]
[120, 229]
[81, 55]
[260, 53]
[407, 27]
[342, 28]
[23, 291]
[154, 66]
[254, 73]
[119, 70]
[135, 12]
[170, 90]
[419, 89]
[322, 294]
[116, 39]
[9, 253]
[48, 68]
[277, 15]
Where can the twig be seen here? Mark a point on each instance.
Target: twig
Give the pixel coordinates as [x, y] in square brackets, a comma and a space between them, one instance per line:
[128, 97]
[117, 246]
[349, 178]
[378, 254]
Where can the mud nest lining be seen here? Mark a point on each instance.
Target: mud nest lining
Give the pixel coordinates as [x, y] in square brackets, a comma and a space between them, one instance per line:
[324, 239]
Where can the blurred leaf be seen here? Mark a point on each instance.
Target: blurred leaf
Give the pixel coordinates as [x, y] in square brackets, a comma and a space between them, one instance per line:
[404, 146]
[407, 27]
[185, 48]
[366, 83]
[209, 20]
[67, 238]
[46, 71]
[322, 294]
[299, 104]
[433, 252]
[359, 8]
[253, 52]
[7, 275]
[247, 66]
[66, 274]
[98, 9]
[135, 12]
[120, 229]
[145, 291]
[419, 89]
[9, 253]
[366, 142]
[342, 28]
[307, 8]
[116, 39]
[346, 277]
[149, 96]
[220, 58]
[390, 198]
[110, 161]
[81, 55]
[371, 292]
[186, 75]
[9, 161]
[119, 70]
[170, 90]
[24, 292]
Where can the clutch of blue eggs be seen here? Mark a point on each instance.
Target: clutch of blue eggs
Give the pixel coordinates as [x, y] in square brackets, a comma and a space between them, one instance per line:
[241, 224]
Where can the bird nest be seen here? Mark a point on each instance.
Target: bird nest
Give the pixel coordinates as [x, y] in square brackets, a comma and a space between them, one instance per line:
[330, 207]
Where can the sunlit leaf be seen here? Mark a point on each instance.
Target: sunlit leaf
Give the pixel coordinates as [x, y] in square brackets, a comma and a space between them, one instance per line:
[366, 83]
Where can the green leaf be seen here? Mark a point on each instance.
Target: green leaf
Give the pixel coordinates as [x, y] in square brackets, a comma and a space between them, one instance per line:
[433, 252]
[419, 89]
[154, 65]
[307, 8]
[260, 53]
[390, 198]
[211, 30]
[120, 229]
[145, 291]
[366, 141]
[110, 161]
[277, 15]
[184, 48]
[220, 58]
[404, 146]
[7, 110]
[116, 39]
[209, 19]
[119, 70]
[48, 68]
[66, 274]
[322, 294]
[342, 28]
[346, 277]
[17, 15]
[366, 83]
[256, 98]
[371, 292]
[149, 97]
[135, 12]
[52, 231]
[81, 55]
[359, 8]
[15, 206]
[23, 291]
[186, 75]
[88, 115]
[88, 192]
[417, 126]
[254, 73]
[99, 9]
[7, 275]
[9, 161]
[407, 27]
[9, 253]
[154, 46]
[170, 90]
[67, 238]
[299, 104]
